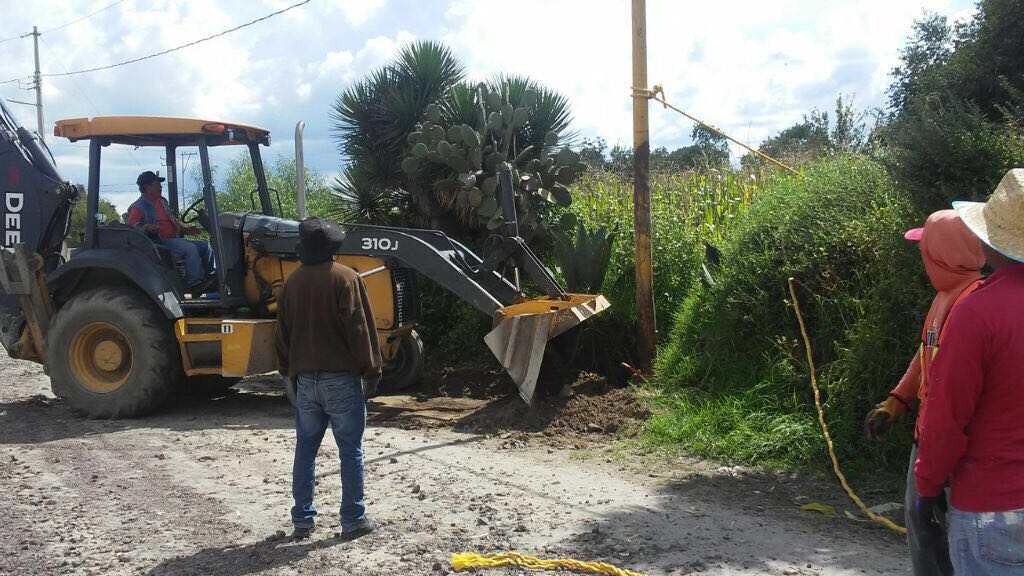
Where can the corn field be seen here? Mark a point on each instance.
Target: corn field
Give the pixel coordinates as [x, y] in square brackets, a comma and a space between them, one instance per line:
[687, 209]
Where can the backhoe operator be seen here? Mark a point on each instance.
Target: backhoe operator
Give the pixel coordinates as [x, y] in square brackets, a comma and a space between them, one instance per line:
[151, 213]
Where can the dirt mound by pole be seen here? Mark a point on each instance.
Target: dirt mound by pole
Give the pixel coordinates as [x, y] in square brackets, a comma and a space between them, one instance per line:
[587, 406]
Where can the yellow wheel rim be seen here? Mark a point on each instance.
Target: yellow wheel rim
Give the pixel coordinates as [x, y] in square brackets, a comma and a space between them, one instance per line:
[101, 357]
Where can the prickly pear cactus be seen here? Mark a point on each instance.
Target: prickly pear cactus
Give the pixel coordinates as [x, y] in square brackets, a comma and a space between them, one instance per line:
[468, 159]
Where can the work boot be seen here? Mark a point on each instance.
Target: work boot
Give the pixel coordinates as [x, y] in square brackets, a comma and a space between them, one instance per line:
[203, 286]
[365, 527]
[301, 533]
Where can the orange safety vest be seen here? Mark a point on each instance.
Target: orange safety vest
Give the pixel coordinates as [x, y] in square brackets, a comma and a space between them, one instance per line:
[930, 342]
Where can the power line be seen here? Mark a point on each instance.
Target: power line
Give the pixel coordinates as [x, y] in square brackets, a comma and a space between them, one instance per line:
[193, 43]
[85, 95]
[86, 17]
[65, 25]
[19, 79]
[18, 37]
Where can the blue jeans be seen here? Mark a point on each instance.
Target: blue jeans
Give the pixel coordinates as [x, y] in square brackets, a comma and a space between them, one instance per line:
[987, 543]
[334, 398]
[197, 254]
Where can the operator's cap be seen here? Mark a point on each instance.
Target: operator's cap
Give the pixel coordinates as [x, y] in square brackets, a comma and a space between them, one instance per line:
[147, 177]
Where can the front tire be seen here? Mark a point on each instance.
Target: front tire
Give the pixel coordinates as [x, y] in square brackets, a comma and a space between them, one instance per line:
[111, 354]
[403, 370]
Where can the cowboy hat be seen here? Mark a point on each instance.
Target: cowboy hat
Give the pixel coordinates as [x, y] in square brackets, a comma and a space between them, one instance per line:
[1000, 221]
[319, 240]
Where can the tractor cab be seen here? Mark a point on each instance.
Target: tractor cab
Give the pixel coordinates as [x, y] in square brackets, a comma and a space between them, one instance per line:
[172, 135]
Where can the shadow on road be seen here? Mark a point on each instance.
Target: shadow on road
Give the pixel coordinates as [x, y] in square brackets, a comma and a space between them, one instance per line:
[747, 522]
[240, 560]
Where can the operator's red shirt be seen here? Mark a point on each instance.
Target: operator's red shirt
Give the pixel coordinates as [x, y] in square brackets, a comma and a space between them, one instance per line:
[168, 228]
[973, 430]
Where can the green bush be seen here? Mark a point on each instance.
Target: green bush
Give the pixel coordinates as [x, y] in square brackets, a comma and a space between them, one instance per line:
[944, 149]
[733, 370]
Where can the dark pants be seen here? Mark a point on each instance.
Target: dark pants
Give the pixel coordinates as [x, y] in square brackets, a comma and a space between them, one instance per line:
[929, 555]
[334, 398]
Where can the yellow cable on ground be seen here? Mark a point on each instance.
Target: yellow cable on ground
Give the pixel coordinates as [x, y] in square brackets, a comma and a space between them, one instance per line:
[824, 427]
[468, 560]
[653, 95]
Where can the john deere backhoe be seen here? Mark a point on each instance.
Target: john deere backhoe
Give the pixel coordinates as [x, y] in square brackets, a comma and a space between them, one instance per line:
[117, 333]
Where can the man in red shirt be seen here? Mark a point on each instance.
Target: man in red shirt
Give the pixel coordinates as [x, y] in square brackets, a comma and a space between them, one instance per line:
[151, 213]
[972, 433]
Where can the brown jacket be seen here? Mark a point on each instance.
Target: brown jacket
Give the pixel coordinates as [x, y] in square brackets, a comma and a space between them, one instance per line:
[324, 323]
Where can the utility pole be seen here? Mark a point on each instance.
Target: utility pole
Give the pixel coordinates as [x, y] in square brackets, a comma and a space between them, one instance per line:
[647, 333]
[39, 86]
[185, 157]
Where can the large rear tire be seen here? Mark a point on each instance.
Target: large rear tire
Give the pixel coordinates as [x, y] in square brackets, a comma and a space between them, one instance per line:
[111, 354]
[403, 371]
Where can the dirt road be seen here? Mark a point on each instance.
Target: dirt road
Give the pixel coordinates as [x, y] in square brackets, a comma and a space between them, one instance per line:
[203, 489]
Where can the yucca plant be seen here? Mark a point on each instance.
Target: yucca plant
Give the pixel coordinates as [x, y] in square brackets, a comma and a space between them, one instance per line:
[372, 118]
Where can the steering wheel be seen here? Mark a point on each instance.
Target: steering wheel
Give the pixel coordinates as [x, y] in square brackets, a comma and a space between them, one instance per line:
[201, 217]
[193, 207]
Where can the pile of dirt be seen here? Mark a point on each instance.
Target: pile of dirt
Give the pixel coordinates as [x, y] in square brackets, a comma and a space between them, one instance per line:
[467, 382]
[589, 406]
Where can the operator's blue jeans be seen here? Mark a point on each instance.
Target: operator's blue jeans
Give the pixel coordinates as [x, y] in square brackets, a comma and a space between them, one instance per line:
[334, 398]
[197, 254]
[987, 543]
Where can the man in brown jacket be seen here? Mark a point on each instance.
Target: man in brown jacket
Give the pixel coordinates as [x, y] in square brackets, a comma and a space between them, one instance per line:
[327, 344]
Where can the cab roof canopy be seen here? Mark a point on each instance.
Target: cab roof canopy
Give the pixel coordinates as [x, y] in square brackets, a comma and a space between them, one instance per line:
[160, 131]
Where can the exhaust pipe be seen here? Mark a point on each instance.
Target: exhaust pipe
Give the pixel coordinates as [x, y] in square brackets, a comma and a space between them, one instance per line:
[300, 172]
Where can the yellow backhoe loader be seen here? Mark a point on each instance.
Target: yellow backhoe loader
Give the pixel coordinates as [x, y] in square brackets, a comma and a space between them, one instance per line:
[116, 330]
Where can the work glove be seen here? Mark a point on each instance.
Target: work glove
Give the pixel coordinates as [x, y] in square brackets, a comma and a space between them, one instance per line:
[879, 420]
[370, 386]
[925, 511]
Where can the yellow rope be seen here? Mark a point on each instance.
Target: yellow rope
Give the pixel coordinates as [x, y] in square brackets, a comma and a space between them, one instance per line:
[824, 427]
[468, 560]
[653, 95]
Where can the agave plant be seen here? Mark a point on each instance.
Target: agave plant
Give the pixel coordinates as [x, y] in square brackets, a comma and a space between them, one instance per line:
[584, 259]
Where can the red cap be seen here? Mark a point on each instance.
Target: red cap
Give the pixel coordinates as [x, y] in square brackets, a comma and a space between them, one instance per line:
[914, 235]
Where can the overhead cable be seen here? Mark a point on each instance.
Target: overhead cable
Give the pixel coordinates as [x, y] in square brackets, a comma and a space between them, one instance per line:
[86, 17]
[176, 48]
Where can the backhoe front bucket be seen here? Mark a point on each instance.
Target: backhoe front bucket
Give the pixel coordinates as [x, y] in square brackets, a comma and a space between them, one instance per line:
[522, 332]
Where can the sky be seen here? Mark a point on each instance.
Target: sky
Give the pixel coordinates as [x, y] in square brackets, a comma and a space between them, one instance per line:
[751, 68]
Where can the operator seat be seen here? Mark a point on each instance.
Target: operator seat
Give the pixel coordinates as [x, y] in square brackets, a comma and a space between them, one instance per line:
[117, 235]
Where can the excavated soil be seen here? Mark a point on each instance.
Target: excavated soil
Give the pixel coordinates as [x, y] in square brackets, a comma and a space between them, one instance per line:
[580, 407]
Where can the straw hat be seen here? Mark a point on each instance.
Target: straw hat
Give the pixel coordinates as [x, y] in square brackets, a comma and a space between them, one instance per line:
[1000, 221]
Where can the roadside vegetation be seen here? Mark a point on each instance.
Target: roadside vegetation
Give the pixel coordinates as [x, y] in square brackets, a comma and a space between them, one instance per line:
[421, 144]
[730, 380]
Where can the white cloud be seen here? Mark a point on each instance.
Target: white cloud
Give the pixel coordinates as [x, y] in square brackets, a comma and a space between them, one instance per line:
[359, 11]
[751, 68]
[376, 51]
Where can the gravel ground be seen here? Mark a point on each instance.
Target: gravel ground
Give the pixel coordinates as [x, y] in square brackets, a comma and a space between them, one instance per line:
[203, 488]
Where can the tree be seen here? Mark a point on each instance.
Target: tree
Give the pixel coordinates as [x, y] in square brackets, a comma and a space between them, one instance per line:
[816, 136]
[239, 192]
[76, 227]
[955, 121]
[929, 46]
